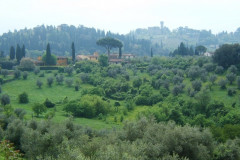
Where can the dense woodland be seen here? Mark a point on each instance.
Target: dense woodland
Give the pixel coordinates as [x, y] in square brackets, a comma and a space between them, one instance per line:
[61, 37]
[169, 108]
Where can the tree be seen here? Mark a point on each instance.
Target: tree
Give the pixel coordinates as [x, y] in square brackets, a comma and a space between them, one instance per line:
[59, 79]
[5, 99]
[17, 73]
[39, 108]
[39, 83]
[103, 60]
[73, 52]
[227, 55]
[23, 51]
[48, 58]
[199, 50]
[197, 85]
[12, 53]
[109, 43]
[151, 52]
[231, 77]
[18, 53]
[137, 82]
[68, 70]
[25, 74]
[4, 72]
[49, 81]
[27, 64]
[23, 98]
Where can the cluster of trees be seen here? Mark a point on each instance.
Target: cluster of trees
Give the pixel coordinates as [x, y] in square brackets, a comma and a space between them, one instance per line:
[183, 50]
[143, 139]
[19, 54]
[59, 38]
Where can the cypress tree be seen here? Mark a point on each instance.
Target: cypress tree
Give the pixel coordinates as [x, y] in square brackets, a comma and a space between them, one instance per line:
[151, 52]
[120, 52]
[18, 53]
[12, 53]
[48, 55]
[73, 52]
[23, 51]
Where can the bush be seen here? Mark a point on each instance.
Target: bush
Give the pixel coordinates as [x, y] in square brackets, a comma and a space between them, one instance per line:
[39, 83]
[50, 81]
[231, 77]
[68, 70]
[39, 108]
[17, 74]
[69, 82]
[4, 72]
[48, 103]
[196, 85]
[23, 98]
[5, 99]
[7, 65]
[219, 70]
[212, 78]
[36, 70]
[231, 91]
[52, 60]
[59, 79]
[233, 69]
[25, 74]
[222, 83]
[42, 74]
[20, 112]
[27, 64]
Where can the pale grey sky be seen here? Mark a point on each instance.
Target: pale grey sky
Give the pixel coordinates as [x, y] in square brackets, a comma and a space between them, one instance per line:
[121, 16]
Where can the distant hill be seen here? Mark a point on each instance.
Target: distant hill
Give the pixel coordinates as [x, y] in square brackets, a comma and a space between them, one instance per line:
[61, 37]
[162, 36]
[139, 42]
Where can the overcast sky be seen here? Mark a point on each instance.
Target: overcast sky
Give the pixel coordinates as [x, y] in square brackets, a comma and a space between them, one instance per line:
[121, 16]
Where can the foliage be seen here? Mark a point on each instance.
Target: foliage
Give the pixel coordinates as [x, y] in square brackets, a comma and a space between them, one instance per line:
[222, 83]
[103, 60]
[109, 43]
[231, 77]
[23, 98]
[4, 72]
[227, 55]
[48, 103]
[50, 81]
[39, 108]
[27, 64]
[17, 73]
[68, 70]
[196, 85]
[39, 83]
[69, 82]
[60, 79]
[89, 106]
[5, 99]
[25, 75]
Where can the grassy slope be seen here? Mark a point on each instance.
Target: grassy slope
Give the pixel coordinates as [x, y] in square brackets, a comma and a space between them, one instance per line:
[56, 93]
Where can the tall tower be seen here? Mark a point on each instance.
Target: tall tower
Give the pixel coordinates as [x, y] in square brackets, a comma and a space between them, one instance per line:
[162, 24]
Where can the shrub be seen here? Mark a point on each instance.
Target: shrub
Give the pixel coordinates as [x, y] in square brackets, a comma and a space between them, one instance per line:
[23, 98]
[20, 112]
[48, 103]
[59, 79]
[42, 74]
[60, 69]
[231, 77]
[51, 61]
[219, 70]
[222, 83]
[39, 83]
[50, 81]
[5, 99]
[39, 108]
[69, 82]
[36, 70]
[17, 74]
[27, 64]
[4, 72]
[231, 91]
[238, 82]
[212, 78]
[233, 69]
[7, 65]
[25, 74]
[177, 79]
[68, 70]
[196, 85]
